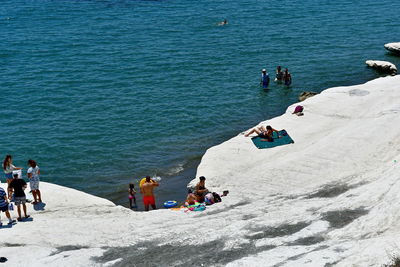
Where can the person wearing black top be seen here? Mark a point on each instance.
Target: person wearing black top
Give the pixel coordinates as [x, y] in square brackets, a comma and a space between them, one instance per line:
[18, 186]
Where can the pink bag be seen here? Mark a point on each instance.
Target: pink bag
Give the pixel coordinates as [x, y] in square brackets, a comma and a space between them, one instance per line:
[298, 109]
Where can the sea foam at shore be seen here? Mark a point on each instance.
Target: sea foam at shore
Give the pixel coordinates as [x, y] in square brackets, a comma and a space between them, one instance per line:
[329, 198]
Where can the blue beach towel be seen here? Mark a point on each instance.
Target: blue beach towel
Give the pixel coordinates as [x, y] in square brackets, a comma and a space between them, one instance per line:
[284, 140]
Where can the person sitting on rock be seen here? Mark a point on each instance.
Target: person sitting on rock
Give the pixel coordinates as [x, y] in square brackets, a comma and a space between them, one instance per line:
[264, 132]
[191, 198]
[201, 190]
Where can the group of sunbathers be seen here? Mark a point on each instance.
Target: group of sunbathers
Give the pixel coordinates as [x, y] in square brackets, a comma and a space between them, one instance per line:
[201, 194]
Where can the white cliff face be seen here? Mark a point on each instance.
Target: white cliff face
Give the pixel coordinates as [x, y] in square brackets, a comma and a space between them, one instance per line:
[393, 47]
[332, 197]
[384, 66]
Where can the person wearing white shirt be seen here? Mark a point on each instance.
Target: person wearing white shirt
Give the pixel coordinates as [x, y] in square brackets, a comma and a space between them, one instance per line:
[33, 175]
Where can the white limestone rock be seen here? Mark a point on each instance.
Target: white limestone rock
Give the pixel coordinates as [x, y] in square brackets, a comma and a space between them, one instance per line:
[384, 66]
[393, 47]
[331, 198]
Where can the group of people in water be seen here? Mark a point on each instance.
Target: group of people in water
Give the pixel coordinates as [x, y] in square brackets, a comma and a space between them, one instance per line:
[280, 76]
[199, 194]
[16, 186]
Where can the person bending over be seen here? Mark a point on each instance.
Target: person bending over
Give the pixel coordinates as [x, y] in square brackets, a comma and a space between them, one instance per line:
[264, 132]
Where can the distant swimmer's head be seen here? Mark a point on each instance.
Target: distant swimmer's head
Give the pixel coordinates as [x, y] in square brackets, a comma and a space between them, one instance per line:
[148, 178]
[279, 68]
[131, 186]
[269, 127]
[264, 70]
[202, 178]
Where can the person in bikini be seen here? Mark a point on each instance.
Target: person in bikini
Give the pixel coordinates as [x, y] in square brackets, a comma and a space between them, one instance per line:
[148, 195]
[264, 132]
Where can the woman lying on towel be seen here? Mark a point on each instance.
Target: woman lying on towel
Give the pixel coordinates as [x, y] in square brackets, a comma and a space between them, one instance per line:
[264, 132]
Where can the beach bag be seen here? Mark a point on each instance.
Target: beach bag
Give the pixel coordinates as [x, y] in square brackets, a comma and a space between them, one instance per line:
[298, 109]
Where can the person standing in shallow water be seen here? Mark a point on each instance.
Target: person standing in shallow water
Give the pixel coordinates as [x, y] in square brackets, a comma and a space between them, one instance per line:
[148, 195]
[287, 78]
[131, 196]
[264, 82]
[279, 74]
[33, 175]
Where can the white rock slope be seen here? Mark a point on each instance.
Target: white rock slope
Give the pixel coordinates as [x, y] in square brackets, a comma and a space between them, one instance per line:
[330, 199]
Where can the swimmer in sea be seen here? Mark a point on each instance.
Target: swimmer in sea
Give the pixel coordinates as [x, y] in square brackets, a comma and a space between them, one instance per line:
[225, 22]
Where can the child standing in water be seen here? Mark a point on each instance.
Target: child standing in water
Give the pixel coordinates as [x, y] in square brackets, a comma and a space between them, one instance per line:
[131, 196]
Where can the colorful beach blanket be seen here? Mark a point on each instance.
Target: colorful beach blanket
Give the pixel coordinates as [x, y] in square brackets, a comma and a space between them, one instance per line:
[284, 140]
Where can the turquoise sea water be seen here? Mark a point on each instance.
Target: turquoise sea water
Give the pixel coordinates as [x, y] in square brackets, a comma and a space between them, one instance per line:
[101, 93]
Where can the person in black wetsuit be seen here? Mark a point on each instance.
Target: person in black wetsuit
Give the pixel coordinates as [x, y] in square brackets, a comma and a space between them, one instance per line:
[201, 190]
[264, 132]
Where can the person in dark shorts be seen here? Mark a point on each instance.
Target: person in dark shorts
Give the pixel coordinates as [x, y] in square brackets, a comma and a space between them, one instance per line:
[4, 207]
[18, 186]
[264, 132]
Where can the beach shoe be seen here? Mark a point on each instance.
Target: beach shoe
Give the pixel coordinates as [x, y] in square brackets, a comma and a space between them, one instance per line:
[27, 216]
[19, 219]
[2, 259]
[11, 222]
[1, 224]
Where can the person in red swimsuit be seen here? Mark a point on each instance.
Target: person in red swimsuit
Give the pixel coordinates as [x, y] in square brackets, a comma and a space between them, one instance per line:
[148, 195]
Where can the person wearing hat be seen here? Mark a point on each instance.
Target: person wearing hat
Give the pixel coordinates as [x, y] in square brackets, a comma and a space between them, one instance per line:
[264, 79]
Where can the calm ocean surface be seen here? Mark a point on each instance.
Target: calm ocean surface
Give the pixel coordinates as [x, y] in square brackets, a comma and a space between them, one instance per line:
[101, 93]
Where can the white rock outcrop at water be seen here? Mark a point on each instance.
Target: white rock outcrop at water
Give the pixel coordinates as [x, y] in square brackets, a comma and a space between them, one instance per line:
[384, 66]
[330, 199]
[393, 47]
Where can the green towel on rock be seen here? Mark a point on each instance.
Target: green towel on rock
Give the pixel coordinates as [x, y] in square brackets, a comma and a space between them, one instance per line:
[284, 140]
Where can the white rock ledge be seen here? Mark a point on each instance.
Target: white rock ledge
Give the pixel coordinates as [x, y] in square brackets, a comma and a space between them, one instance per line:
[393, 47]
[332, 197]
[384, 66]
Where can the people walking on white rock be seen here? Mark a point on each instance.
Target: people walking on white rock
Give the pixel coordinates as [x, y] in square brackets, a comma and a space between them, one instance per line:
[8, 168]
[263, 132]
[148, 194]
[33, 175]
[4, 207]
[287, 78]
[18, 186]
[264, 82]
[278, 74]
[131, 196]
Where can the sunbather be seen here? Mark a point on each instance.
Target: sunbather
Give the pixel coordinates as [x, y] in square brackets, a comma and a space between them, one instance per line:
[264, 132]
